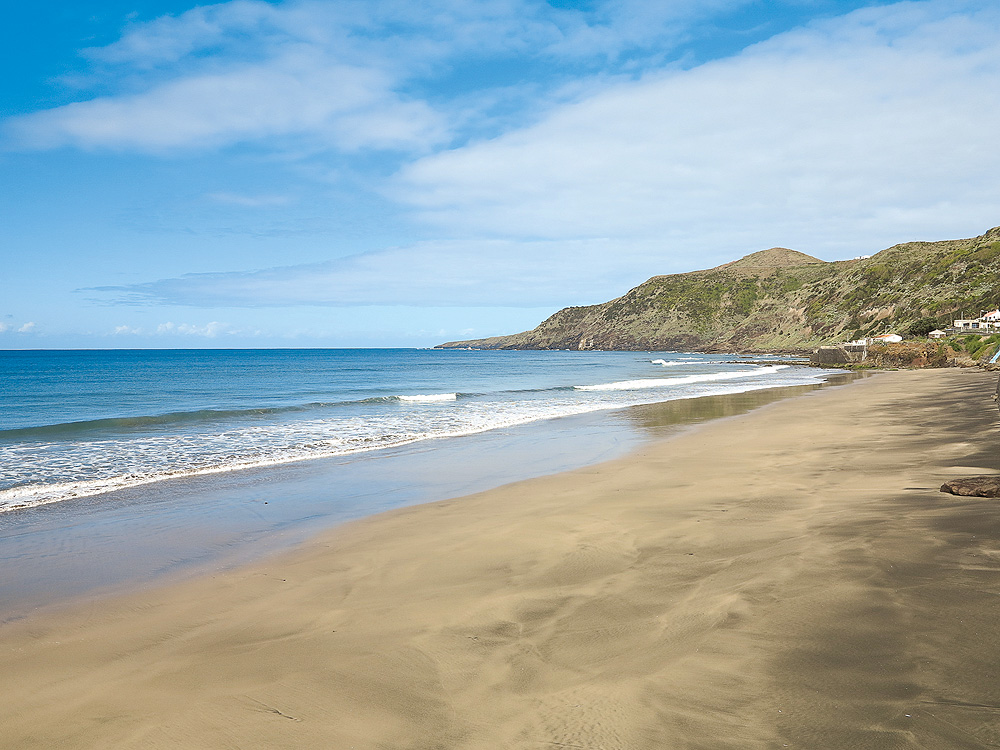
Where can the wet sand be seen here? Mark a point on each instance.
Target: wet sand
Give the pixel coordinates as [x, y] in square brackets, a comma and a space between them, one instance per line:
[120, 541]
[785, 578]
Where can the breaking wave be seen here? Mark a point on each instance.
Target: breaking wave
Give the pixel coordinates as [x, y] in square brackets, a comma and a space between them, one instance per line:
[52, 462]
[633, 385]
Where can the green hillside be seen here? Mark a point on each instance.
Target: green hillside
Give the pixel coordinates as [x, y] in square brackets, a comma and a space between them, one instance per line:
[781, 300]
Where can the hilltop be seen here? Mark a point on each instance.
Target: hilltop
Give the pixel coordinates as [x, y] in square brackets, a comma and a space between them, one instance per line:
[781, 300]
[772, 258]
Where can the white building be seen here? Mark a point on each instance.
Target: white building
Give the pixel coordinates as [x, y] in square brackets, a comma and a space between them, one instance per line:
[986, 320]
[977, 324]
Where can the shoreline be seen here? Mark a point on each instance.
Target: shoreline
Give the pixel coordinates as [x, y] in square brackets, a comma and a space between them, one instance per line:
[80, 446]
[787, 577]
[181, 528]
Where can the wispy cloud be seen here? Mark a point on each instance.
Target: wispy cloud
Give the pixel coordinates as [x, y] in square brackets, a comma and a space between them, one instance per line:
[434, 274]
[349, 75]
[27, 328]
[294, 95]
[208, 330]
[250, 201]
[398, 33]
[877, 125]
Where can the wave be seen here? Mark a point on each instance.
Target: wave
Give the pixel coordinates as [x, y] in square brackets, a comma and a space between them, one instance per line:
[664, 363]
[33, 494]
[171, 419]
[67, 429]
[166, 455]
[632, 385]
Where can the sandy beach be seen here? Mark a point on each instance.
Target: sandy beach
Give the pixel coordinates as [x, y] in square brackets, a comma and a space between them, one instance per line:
[789, 577]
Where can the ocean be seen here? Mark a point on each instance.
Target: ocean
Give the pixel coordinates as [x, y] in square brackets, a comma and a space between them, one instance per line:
[120, 468]
[77, 424]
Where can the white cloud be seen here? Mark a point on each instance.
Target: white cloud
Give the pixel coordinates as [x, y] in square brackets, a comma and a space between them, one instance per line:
[400, 32]
[439, 273]
[349, 75]
[878, 126]
[169, 39]
[4, 327]
[127, 331]
[611, 28]
[250, 201]
[209, 330]
[27, 328]
[298, 94]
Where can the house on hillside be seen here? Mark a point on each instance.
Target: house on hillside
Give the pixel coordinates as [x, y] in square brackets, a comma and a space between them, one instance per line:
[985, 320]
[937, 334]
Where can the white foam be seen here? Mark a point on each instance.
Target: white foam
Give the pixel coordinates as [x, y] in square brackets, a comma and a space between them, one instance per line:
[123, 463]
[429, 397]
[480, 420]
[664, 363]
[632, 385]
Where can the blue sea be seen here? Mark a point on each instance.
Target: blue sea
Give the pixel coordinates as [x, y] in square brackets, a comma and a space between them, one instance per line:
[77, 424]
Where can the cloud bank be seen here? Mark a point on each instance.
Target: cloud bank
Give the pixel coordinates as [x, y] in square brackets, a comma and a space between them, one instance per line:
[880, 124]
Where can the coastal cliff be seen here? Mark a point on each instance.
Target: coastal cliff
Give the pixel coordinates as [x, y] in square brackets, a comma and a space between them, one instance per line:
[781, 300]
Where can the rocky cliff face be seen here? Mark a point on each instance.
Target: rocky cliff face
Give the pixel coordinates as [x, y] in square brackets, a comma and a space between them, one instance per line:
[781, 300]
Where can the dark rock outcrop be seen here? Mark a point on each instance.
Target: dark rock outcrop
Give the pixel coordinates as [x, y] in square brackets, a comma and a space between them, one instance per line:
[830, 356]
[908, 354]
[973, 486]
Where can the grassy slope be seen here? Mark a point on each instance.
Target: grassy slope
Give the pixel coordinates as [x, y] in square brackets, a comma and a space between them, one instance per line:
[779, 299]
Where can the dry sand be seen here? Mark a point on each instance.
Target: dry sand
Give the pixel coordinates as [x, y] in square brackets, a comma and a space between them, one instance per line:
[787, 578]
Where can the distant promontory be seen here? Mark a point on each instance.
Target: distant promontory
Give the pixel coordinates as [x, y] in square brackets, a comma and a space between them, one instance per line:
[781, 300]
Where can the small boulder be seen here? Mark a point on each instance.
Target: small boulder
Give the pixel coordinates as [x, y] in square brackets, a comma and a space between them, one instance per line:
[973, 486]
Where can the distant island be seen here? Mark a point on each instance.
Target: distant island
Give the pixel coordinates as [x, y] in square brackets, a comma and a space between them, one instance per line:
[781, 300]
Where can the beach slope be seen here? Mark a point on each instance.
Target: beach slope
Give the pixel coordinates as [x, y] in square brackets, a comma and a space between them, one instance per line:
[787, 578]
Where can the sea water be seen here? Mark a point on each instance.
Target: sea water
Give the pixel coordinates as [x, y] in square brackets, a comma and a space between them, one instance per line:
[79, 424]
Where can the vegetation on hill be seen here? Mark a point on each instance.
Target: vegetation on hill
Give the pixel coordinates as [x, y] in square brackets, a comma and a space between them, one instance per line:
[783, 300]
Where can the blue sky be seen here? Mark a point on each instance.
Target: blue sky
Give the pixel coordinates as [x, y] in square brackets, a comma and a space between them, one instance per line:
[363, 173]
